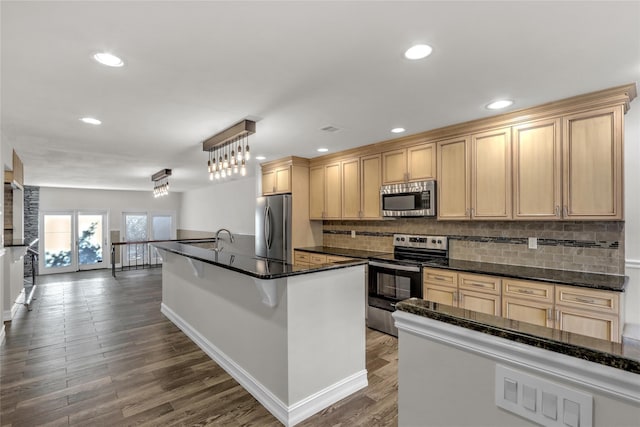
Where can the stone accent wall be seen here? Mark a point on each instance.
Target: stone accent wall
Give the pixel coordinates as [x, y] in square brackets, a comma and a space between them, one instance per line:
[8, 214]
[31, 214]
[591, 246]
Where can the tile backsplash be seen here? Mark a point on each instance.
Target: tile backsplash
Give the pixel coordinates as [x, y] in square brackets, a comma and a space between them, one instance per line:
[593, 246]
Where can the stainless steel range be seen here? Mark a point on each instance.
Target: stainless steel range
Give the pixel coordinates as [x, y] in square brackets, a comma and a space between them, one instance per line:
[398, 276]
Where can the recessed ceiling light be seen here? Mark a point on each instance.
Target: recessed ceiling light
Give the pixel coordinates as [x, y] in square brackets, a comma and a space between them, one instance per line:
[260, 157]
[418, 51]
[497, 105]
[90, 121]
[322, 150]
[398, 130]
[108, 59]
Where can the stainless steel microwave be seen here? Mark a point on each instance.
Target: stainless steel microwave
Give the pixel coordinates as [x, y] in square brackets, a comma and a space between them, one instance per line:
[408, 199]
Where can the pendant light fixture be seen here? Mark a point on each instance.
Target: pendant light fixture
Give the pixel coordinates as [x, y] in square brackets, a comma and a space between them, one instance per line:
[161, 182]
[223, 145]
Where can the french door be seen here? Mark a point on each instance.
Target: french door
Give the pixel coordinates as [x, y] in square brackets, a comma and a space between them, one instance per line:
[142, 226]
[72, 241]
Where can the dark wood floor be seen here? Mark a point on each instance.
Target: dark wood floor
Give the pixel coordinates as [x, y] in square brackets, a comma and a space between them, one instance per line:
[96, 351]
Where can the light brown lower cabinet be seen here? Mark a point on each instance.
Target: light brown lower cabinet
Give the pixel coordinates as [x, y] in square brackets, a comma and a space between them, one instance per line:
[584, 311]
[530, 302]
[475, 292]
[304, 258]
[591, 312]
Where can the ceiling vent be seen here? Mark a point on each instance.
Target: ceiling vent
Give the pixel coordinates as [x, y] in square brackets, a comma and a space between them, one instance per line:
[330, 129]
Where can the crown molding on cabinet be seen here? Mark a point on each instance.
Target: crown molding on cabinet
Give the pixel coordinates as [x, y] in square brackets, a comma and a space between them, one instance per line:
[613, 96]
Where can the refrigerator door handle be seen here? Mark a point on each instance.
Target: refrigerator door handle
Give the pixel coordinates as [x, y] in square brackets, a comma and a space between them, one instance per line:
[267, 227]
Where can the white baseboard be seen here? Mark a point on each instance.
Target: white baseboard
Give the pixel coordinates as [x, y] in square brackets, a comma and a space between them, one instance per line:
[288, 415]
[2, 334]
[8, 315]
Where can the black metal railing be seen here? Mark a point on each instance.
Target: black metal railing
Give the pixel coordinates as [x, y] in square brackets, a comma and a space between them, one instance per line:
[140, 254]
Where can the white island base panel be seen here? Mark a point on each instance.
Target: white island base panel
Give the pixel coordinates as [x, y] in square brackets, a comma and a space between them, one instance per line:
[297, 344]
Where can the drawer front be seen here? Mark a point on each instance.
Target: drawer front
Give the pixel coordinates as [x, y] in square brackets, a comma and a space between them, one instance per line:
[588, 299]
[480, 283]
[301, 257]
[334, 258]
[317, 259]
[537, 291]
[436, 276]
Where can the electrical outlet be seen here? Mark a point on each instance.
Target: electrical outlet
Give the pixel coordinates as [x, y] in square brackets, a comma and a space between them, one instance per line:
[533, 243]
[353, 234]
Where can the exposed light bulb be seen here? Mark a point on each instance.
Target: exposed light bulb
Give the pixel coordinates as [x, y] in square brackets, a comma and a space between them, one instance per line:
[243, 169]
[210, 176]
[217, 175]
[223, 173]
[247, 154]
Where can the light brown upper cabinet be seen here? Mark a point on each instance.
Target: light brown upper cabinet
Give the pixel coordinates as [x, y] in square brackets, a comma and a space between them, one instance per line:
[417, 163]
[351, 193]
[454, 179]
[474, 176]
[537, 170]
[370, 182]
[592, 173]
[325, 191]
[276, 180]
[491, 174]
[361, 188]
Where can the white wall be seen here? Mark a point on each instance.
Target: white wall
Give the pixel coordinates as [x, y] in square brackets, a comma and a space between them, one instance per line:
[115, 202]
[229, 205]
[632, 211]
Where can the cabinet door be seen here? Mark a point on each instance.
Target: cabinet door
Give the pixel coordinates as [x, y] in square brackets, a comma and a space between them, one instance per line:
[394, 166]
[421, 162]
[440, 294]
[335, 258]
[480, 302]
[589, 323]
[283, 180]
[592, 150]
[453, 183]
[350, 189]
[370, 182]
[268, 182]
[537, 170]
[332, 192]
[527, 310]
[491, 174]
[316, 192]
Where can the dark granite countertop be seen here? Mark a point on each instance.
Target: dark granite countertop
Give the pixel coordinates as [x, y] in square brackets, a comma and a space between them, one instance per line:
[609, 282]
[261, 268]
[625, 356]
[350, 253]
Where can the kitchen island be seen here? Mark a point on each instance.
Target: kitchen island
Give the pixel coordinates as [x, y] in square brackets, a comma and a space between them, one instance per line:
[293, 336]
[509, 373]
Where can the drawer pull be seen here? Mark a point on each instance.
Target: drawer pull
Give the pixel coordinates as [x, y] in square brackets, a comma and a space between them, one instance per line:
[525, 291]
[585, 300]
[439, 278]
[549, 314]
[479, 285]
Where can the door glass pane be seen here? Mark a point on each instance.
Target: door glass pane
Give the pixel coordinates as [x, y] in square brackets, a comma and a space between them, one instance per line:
[90, 237]
[57, 240]
[161, 227]
[135, 230]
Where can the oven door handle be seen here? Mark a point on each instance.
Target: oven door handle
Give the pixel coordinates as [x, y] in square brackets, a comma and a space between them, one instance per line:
[415, 269]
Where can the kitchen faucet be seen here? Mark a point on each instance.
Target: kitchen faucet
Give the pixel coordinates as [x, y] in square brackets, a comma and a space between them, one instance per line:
[215, 244]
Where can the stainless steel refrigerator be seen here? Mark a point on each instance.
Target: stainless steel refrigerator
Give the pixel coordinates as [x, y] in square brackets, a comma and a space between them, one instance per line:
[273, 227]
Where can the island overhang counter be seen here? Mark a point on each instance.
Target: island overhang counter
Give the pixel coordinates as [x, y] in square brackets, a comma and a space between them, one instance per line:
[294, 337]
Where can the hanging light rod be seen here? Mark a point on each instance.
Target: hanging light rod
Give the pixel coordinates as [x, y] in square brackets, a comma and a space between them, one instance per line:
[161, 174]
[245, 127]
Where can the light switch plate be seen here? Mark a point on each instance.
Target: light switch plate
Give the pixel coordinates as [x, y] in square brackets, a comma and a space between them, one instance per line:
[554, 404]
[533, 243]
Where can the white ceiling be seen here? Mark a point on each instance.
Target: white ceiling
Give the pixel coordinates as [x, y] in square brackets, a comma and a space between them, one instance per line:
[195, 68]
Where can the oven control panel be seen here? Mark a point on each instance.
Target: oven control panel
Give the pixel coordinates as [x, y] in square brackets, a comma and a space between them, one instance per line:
[422, 242]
